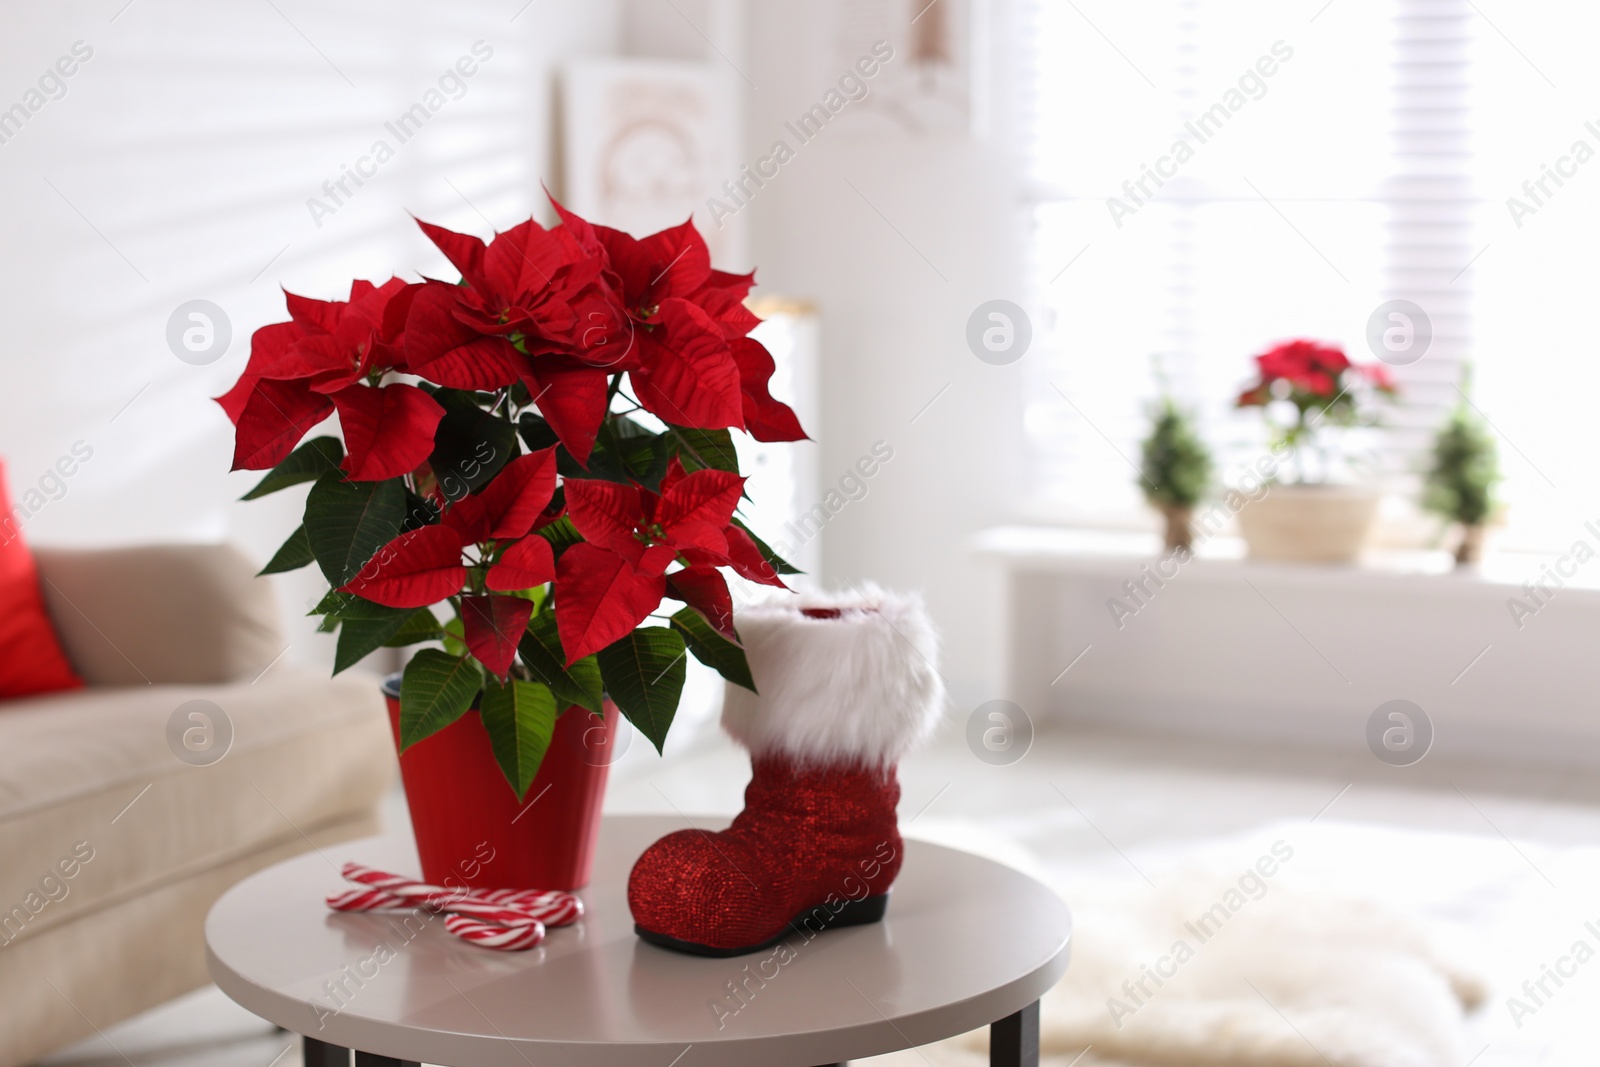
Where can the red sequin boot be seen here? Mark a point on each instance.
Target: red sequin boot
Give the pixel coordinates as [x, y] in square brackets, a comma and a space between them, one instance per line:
[848, 686]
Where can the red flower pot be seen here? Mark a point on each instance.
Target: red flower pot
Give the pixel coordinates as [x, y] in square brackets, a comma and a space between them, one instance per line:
[470, 827]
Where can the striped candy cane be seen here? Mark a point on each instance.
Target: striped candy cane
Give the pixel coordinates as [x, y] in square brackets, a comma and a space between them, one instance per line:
[373, 900]
[366, 900]
[562, 911]
[524, 897]
[506, 938]
[508, 920]
[490, 935]
[552, 907]
[394, 883]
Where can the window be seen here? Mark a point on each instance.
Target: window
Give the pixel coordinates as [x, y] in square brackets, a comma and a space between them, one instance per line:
[1213, 177]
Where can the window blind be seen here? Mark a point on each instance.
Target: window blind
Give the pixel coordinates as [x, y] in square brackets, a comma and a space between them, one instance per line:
[1313, 165]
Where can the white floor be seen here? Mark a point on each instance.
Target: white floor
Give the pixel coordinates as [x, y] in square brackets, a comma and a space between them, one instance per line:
[1509, 859]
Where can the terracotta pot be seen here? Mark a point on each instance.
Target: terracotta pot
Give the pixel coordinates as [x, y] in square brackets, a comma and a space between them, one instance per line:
[1179, 529]
[469, 825]
[1310, 523]
[1470, 550]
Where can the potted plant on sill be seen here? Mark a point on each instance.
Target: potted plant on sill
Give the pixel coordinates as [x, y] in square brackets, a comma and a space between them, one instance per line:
[1175, 472]
[1462, 477]
[532, 459]
[1307, 390]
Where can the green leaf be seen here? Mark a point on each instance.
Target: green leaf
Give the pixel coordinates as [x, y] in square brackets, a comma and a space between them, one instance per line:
[470, 445]
[706, 448]
[332, 602]
[644, 674]
[318, 456]
[624, 451]
[520, 717]
[537, 594]
[347, 522]
[436, 690]
[350, 606]
[541, 652]
[561, 534]
[641, 453]
[536, 432]
[420, 512]
[359, 637]
[294, 554]
[1460, 482]
[455, 640]
[712, 649]
[1176, 467]
[781, 565]
[420, 627]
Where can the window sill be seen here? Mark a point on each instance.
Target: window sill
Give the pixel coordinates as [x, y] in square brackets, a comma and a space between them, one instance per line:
[1102, 551]
[1096, 630]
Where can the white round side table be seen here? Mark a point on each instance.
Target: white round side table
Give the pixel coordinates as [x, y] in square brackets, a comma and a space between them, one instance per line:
[966, 943]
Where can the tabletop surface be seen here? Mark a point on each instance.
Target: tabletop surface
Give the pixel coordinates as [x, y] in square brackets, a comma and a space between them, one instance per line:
[966, 941]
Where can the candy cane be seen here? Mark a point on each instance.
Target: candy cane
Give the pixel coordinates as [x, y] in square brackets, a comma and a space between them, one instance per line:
[505, 907]
[507, 938]
[563, 911]
[552, 907]
[395, 883]
[378, 899]
[489, 935]
[367, 900]
[533, 897]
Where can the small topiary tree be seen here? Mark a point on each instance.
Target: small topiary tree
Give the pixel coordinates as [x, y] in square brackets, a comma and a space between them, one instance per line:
[1176, 469]
[1460, 483]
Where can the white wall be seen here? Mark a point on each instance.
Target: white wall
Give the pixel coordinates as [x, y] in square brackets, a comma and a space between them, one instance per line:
[193, 137]
[178, 166]
[1264, 652]
[893, 330]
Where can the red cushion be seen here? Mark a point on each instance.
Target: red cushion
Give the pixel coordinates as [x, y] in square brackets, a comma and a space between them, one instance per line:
[31, 660]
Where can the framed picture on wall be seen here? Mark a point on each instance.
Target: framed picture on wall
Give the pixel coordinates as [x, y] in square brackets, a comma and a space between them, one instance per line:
[645, 142]
[930, 86]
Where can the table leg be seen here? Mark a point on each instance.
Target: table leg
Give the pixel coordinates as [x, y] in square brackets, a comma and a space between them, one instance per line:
[321, 1054]
[1014, 1040]
[368, 1059]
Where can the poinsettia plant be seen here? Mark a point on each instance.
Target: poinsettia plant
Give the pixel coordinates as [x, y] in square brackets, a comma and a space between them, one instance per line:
[531, 460]
[1319, 384]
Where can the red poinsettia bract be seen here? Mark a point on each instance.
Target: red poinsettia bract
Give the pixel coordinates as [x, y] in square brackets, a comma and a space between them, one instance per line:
[612, 582]
[558, 310]
[1312, 369]
[330, 357]
[559, 322]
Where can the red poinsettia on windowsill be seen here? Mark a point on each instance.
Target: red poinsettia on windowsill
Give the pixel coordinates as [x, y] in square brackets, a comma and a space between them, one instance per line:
[1321, 386]
[542, 452]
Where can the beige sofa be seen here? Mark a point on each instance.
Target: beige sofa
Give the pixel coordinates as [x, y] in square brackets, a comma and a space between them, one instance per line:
[112, 847]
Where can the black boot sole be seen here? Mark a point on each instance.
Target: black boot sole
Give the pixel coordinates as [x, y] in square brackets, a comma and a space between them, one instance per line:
[811, 921]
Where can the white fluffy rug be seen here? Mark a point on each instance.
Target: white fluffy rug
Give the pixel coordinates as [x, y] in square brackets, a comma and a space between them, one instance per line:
[1290, 978]
[1227, 963]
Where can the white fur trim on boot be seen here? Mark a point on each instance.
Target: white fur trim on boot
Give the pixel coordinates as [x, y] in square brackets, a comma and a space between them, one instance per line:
[861, 687]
